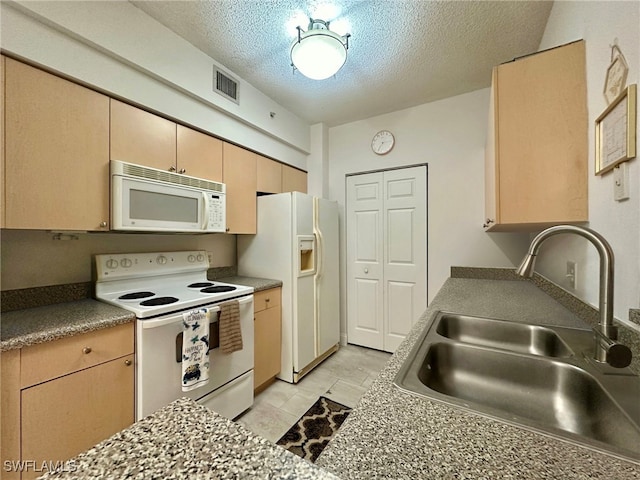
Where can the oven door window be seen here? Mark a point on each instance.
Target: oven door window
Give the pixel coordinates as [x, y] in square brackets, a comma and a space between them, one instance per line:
[214, 339]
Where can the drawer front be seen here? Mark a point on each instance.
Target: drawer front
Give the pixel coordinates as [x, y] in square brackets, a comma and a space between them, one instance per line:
[46, 361]
[266, 299]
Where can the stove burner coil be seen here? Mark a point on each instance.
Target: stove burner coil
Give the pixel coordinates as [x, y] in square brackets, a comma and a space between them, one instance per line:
[136, 295]
[218, 289]
[158, 301]
[200, 284]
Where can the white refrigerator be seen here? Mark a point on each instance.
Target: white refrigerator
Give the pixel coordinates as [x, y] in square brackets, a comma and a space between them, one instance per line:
[297, 242]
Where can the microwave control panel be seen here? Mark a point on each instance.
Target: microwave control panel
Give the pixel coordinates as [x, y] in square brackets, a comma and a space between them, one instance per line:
[217, 213]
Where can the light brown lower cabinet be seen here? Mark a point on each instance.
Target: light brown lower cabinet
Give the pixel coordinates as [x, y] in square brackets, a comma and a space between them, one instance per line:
[85, 396]
[267, 337]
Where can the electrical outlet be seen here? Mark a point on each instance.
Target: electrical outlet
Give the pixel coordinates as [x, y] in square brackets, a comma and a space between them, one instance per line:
[571, 274]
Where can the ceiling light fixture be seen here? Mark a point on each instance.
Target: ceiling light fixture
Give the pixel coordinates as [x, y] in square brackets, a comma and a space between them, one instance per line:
[319, 53]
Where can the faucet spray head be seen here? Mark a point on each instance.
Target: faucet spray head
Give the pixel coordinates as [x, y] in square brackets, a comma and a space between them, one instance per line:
[526, 267]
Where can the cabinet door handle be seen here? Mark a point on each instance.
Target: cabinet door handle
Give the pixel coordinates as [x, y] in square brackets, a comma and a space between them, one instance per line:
[182, 170]
[267, 300]
[487, 222]
[127, 363]
[172, 168]
[86, 350]
[103, 224]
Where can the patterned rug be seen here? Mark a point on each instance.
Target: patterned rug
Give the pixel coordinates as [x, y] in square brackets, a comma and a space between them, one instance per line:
[308, 437]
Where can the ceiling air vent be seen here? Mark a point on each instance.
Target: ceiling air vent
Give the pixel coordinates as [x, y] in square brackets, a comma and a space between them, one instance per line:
[225, 85]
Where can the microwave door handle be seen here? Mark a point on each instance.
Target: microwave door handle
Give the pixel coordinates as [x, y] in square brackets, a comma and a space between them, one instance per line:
[205, 211]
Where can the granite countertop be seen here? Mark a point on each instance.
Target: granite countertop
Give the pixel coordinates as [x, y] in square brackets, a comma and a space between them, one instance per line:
[21, 328]
[390, 433]
[258, 284]
[28, 326]
[185, 440]
[393, 434]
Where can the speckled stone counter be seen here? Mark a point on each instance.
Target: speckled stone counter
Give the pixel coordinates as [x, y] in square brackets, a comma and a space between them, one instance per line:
[258, 284]
[187, 441]
[392, 434]
[21, 328]
[28, 326]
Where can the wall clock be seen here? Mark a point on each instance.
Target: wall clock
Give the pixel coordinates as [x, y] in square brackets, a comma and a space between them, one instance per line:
[382, 142]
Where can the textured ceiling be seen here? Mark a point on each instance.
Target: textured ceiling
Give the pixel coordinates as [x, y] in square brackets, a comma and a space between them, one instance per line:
[402, 53]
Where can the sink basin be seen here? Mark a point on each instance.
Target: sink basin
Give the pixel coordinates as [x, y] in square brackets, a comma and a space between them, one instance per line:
[537, 377]
[519, 337]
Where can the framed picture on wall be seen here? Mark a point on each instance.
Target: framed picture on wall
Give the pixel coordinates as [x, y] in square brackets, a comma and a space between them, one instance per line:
[616, 131]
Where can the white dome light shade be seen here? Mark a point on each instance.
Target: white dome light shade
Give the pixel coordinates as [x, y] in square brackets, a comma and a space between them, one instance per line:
[319, 53]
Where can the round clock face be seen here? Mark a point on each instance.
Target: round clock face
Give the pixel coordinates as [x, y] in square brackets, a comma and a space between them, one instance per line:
[382, 142]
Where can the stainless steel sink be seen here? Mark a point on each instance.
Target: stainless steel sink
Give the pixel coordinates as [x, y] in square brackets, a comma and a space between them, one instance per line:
[538, 377]
[520, 337]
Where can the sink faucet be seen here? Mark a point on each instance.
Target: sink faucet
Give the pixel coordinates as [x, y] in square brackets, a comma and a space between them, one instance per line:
[607, 350]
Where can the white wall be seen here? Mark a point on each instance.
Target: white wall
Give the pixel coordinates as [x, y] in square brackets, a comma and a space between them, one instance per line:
[318, 162]
[600, 24]
[120, 50]
[448, 135]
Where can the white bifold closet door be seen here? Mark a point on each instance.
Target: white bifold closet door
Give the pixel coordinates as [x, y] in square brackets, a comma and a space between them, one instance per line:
[386, 255]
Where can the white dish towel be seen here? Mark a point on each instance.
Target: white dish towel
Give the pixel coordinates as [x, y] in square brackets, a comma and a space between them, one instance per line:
[195, 349]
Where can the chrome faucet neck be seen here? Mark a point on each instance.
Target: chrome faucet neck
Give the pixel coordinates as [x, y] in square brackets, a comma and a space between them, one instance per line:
[606, 326]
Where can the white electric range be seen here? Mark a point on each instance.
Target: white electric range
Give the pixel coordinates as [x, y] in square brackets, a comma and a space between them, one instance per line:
[158, 288]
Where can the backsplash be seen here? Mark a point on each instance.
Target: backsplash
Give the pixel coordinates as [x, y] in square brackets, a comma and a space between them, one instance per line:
[33, 258]
[626, 336]
[40, 296]
[222, 272]
[22, 298]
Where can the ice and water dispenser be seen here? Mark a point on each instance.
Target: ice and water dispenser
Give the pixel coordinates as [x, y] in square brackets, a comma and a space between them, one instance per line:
[306, 255]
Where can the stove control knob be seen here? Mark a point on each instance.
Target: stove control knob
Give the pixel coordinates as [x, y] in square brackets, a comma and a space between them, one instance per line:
[112, 264]
[200, 257]
[191, 258]
[161, 260]
[125, 263]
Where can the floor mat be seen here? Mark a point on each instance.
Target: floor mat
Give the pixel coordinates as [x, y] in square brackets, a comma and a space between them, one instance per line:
[308, 437]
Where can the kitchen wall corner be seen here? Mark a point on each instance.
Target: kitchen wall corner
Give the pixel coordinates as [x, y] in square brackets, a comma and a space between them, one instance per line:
[318, 161]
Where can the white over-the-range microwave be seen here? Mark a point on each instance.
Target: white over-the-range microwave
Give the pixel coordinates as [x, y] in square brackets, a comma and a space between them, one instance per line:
[146, 199]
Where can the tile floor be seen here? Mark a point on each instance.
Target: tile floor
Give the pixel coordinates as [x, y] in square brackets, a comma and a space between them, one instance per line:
[343, 377]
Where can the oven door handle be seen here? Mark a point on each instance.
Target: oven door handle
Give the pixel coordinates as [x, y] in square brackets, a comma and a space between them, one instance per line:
[159, 322]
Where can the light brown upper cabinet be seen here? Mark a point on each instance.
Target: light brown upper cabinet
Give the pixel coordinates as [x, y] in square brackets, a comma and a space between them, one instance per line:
[142, 138]
[2, 209]
[269, 175]
[293, 180]
[536, 157]
[239, 175]
[199, 155]
[56, 152]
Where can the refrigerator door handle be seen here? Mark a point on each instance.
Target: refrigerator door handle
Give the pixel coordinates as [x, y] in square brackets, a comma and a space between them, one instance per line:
[319, 253]
[319, 239]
